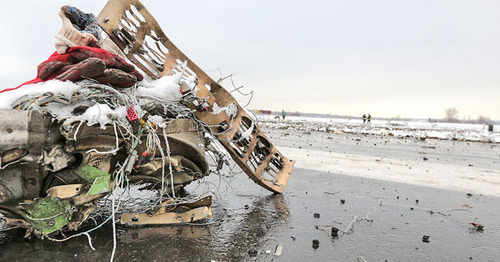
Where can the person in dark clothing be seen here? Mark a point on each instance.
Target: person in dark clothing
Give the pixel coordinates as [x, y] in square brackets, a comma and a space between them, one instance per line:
[369, 118]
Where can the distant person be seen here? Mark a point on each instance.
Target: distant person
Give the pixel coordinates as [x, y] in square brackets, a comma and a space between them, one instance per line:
[369, 118]
[283, 114]
[364, 118]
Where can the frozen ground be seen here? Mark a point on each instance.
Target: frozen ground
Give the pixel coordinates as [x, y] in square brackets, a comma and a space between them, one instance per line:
[396, 128]
[385, 192]
[457, 165]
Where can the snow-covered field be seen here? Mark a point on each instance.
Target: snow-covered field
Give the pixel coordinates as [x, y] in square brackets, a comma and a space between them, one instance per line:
[341, 146]
[414, 129]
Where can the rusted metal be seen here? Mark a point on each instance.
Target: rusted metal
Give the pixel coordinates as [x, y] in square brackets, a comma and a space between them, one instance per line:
[134, 30]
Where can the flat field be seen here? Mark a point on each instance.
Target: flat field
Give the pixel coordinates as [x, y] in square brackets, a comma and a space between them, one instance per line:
[383, 195]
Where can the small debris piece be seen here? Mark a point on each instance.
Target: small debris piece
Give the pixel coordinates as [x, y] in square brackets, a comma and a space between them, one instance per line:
[469, 194]
[425, 158]
[335, 232]
[279, 250]
[361, 259]
[425, 239]
[315, 244]
[252, 252]
[268, 251]
[246, 206]
[293, 238]
[416, 201]
[131, 114]
[342, 201]
[412, 208]
[316, 215]
[477, 226]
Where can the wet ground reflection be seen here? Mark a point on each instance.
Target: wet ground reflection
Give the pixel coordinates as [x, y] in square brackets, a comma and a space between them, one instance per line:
[229, 235]
[248, 221]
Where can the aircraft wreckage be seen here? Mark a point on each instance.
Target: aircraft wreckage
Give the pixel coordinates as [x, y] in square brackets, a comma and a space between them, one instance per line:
[119, 104]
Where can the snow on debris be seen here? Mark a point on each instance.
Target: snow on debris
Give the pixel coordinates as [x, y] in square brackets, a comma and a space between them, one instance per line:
[157, 120]
[102, 114]
[231, 110]
[165, 88]
[248, 132]
[65, 89]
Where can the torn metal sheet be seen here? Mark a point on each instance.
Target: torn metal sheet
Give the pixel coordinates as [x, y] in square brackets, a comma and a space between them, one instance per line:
[142, 234]
[57, 159]
[15, 222]
[172, 214]
[100, 180]
[48, 214]
[65, 191]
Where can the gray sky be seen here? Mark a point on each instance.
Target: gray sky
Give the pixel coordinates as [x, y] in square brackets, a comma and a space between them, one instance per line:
[387, 58]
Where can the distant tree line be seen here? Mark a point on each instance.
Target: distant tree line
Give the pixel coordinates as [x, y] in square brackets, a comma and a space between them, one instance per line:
[451, 115]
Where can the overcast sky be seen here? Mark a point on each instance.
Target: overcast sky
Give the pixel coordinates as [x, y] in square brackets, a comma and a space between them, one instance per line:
[386, 58]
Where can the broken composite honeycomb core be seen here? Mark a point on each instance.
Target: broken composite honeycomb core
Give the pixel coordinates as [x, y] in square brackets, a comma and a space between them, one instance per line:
[138, 35]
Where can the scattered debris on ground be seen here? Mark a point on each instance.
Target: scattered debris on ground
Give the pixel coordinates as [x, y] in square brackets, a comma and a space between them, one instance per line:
[315, 244]
[425, 239]
[335, 232]
[478, 227]
[279, 250]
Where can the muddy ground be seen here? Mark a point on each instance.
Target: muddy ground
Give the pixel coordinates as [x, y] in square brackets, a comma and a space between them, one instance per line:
[386, 220]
